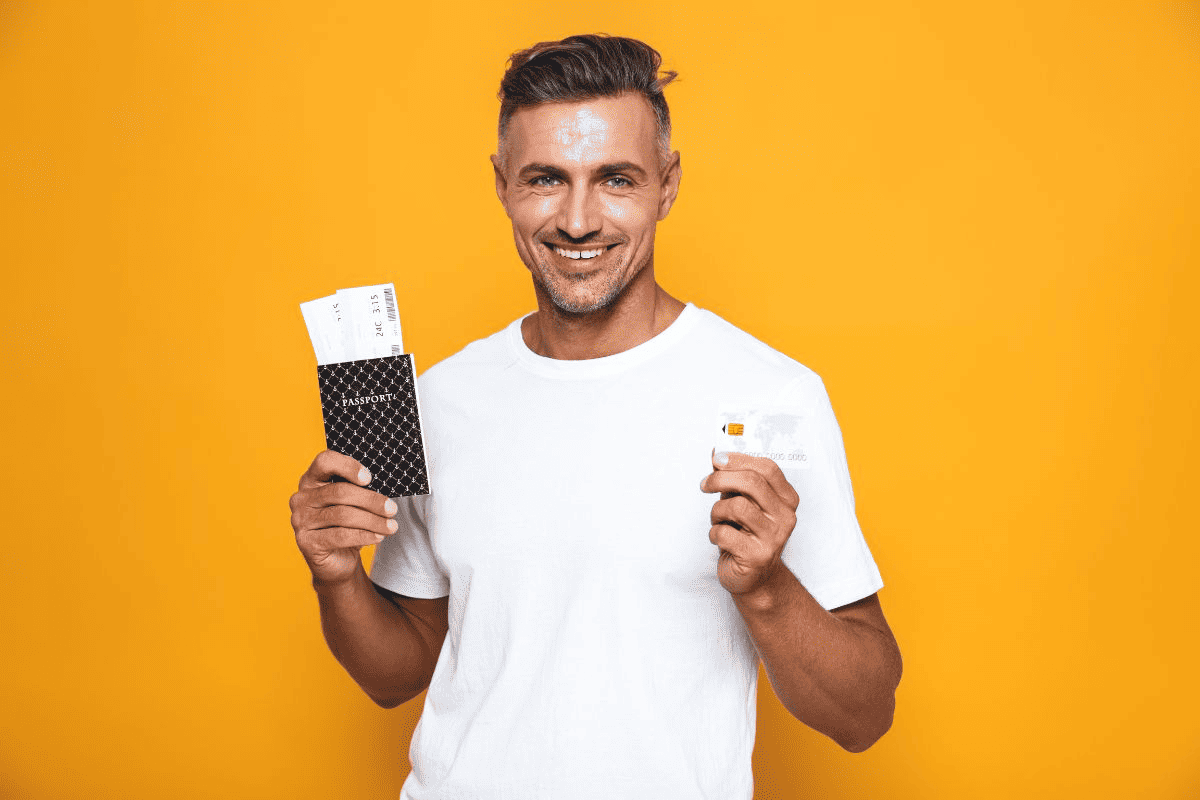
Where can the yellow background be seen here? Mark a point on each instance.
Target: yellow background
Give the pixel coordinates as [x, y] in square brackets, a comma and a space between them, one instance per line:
[977, 223]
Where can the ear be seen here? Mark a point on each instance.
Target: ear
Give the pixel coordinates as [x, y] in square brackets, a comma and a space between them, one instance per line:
[670, 185]
[501, 183]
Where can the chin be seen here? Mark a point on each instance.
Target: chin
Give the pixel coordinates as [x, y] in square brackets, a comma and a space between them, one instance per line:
[596, 293]
[581, 304]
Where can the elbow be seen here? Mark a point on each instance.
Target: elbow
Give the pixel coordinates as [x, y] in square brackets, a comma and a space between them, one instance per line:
[392, 696]
[876, 720]
[386, 701]
[861, 744]
[870, 730]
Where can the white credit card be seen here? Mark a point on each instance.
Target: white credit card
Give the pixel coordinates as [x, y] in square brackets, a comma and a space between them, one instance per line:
[779, 434]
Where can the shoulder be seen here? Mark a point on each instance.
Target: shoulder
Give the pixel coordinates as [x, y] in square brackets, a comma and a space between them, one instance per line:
[742, 357]
[489, 353]
[468, 367]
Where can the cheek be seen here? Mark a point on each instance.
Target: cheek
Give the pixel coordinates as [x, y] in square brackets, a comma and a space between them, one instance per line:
[531, 214]
[628, 210]
[616, 210]
[630, 213]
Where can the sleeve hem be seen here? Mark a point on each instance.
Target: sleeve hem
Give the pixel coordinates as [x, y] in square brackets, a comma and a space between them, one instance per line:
[832, 596]
[412, 586]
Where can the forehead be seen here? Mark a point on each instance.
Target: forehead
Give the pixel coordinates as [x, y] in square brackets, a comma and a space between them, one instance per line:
[598, 130]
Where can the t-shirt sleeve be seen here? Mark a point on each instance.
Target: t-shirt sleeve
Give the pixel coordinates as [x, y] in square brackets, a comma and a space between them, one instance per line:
[405, 562]
[827, 551]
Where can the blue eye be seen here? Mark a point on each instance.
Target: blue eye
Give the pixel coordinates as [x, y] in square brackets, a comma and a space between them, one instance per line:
[623, 181]
[543, 180]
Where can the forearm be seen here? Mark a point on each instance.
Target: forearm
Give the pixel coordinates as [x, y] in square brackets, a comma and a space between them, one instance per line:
[838, 676]
[374, 640]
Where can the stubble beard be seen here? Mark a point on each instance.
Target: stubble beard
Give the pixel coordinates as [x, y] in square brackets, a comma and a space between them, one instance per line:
[611, 285]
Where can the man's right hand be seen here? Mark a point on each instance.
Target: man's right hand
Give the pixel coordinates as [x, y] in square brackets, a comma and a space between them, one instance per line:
[333, 520]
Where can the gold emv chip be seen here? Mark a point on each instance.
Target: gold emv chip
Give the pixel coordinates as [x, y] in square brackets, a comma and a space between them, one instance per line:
[734, 428]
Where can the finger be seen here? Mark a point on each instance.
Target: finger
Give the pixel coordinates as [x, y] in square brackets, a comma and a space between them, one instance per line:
[740, 512]
[350, 518]
[347, 494]
[731, 540]
[763, 466]
[747, 483]
[330, 464]
[329, 539]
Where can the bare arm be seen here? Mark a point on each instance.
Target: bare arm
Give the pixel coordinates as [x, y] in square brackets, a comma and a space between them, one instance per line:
[837, 671]
[387, 642]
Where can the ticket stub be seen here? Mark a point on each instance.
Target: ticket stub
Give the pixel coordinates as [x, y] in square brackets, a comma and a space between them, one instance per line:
[324, 319]
[780, 434]
[374, 328]
[354, 324]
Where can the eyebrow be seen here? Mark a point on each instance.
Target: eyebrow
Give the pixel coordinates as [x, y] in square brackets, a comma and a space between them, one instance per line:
[541, 169]
[604, 169]
[622, 166]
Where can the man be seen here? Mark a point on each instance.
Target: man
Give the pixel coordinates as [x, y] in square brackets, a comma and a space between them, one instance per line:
[587, 619]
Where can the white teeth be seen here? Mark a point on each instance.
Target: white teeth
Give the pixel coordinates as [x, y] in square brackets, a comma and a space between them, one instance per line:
[578, 254]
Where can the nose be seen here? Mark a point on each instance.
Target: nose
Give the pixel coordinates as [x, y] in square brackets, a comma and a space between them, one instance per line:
[579, 215]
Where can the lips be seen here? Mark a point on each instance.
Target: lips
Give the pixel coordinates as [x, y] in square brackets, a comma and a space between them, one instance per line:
[580, 253]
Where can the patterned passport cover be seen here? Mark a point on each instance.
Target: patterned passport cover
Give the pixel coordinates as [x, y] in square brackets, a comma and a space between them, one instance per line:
[371, 413]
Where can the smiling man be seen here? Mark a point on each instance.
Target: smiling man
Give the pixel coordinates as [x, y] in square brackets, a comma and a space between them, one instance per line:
[587, 617]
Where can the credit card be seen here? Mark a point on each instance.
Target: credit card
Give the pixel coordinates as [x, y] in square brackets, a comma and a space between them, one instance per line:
[779, 434]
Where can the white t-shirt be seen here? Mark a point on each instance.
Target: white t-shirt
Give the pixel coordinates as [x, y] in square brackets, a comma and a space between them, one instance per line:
[592, 653]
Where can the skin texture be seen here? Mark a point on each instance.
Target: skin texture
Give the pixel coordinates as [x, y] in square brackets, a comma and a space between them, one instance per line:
[837, 671]
[584, 177]
[387, 642]
[589, 176]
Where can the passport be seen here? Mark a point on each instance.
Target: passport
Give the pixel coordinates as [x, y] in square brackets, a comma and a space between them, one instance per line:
[372, 414]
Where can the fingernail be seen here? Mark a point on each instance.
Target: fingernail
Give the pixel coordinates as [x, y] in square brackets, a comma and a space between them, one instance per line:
[389, 507]
[364, 476]
[721, 459]
[392, 526]
[702, 480]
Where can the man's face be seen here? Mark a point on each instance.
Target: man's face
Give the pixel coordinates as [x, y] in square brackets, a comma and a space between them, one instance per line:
[584, 186]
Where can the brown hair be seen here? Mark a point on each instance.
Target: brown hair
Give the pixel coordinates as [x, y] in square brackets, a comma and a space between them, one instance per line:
[580, 68]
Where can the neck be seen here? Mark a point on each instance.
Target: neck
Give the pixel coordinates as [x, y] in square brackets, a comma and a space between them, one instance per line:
[643, 311]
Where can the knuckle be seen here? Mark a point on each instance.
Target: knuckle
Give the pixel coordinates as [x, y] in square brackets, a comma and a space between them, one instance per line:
[740, 507]
[325, 517]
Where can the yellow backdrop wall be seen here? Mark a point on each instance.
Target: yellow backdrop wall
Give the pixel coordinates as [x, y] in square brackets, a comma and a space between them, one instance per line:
[978, 223]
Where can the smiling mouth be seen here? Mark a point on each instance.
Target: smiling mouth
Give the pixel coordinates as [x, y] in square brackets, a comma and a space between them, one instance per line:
[579, 255]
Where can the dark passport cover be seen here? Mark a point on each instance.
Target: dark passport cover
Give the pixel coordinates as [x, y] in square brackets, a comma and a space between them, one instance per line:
[371, 414]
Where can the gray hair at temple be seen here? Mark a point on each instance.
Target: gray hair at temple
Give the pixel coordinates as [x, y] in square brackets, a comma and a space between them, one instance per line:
[581, 68]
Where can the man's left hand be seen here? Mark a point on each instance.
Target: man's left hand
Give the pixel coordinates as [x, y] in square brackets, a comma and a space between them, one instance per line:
[752, 521]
